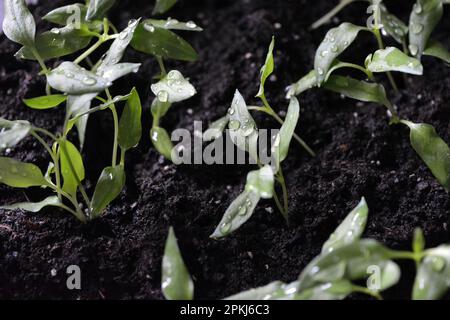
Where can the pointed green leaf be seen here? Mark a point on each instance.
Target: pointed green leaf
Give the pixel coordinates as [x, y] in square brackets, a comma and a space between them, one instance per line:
[307, 82]
[162, 6]
[72, 167]
[18, 22]
[239, 211]
[176, 281]
[267, 69]
[108, 188]
[261, 182]
[76, 105]
[34, 206]
[113, 72]
[161, 42]
[437, 50]
[336, 41]
[45, 102]
[337, 290]
[20, 174]
[130, 127]
[12, 132]
[288, 129]
[393, 26]
[74, 80]
[350, 229]
[390, 275]
[173, 24]
[173, 88]
[425, 16]
[98, 8]
[216, 129]
[432, 149]
[392, 59]
[159, 109]
[162, 142]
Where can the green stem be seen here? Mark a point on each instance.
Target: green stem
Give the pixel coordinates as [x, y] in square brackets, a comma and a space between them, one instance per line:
[161, 66]
[278, 203]
[112, 107]
[282, 182]
[89, 51]
[340, 65]
[327, 17]
[379, 38]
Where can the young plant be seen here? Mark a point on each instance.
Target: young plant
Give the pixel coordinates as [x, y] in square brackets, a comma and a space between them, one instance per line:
[80, 82]
[244, 134]
[344, 262]
[425, 16]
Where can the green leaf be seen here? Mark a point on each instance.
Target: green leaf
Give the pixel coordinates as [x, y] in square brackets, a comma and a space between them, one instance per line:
[18, 22]
[174, 24]
[72, 167]
[359, 90]
[216, 129]
[57, 43]
[161, 140]
[272, 291]
[173, 88]
[243, 130]
[337, 290]
[130, 127]
[425, 16]
[392, 59]
[393, 26]
[336, 41]
[390, 275]
[80, 104]
[18, 174]
[52, 201]
[45, 102]
[307, 82]
[116, 71]
[261, 182]
[159, 109]
[418, 241]
[437, 50]
[267, 69]
[176, 281]
[240, 210]
[108, 188]
[98, 8]
[432, 149]
[350, 229]
[12, 132]
[162, 43]
[74, 80]
[433, 275]
[348, 262]
[162, 6]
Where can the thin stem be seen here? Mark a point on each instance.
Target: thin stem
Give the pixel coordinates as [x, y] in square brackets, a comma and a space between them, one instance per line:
[161, 66]
[330, 14]
[116, 129]
[39, 60]
[278, 203]
[282, 182]
[377, 34]
[89, 51]
[122, 157]
[368, 73]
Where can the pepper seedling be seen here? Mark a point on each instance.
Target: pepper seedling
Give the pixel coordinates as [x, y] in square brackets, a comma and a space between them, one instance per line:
[424, 18]
[243, 132]
[80, 83]
[346, 260]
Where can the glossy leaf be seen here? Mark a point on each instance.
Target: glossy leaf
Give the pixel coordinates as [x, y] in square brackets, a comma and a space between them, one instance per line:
[272, 291]
[173, 88]
[72, 167]
[288, 128]
[240, 210]
[161, 140]
[72, 79]
[116, 71]
[437, 50]
[350, 229]
[267, 69]
[174, 24]
[243, 130]
[176, 281]
[108, 188]
[433, 275]
[337, 290]
[432, 149]
[216, 129]
[20, 174]
[336, 41]
[393, 26]
[98, 8]
[80, 104]
[57, 43]
[45, 102]
[12, 132]
[34, 206]
[159, 109]
[18, 22]
[162, 42]
[359, 90]
[261, 182]
[162, 6]
[390, 275]
[425, 15]
[392, 59]
[307, 82]
[130, 127]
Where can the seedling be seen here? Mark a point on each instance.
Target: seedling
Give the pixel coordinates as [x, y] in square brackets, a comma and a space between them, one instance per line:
[344, 262]
[424, 18]
[244, 133]
[79, 86]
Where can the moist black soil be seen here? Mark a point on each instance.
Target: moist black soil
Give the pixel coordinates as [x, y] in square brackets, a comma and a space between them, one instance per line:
[359, 154]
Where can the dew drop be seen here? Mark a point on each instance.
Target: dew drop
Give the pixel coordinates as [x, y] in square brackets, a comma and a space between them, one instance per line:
[438, 264]
[89, 81]
[417, 28]
[334, 49]
[242, 211]
[320, 71]
[413, 49]
[231, 111]
[191, 24]
[163, 96]
[234, 125]
[225, 227]
[55, 31]
[418, 9]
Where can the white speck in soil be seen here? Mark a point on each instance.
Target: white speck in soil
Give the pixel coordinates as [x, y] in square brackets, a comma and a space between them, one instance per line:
[277, 25]
[53, 272]
[248, 55]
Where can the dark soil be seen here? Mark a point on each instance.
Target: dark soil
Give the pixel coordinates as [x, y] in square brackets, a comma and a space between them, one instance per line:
[359, 154]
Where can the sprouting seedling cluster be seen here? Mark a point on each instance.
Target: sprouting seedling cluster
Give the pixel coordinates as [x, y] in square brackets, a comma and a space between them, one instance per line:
[346, 260]
[243, 132]
[80, 83]
[415, 40]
